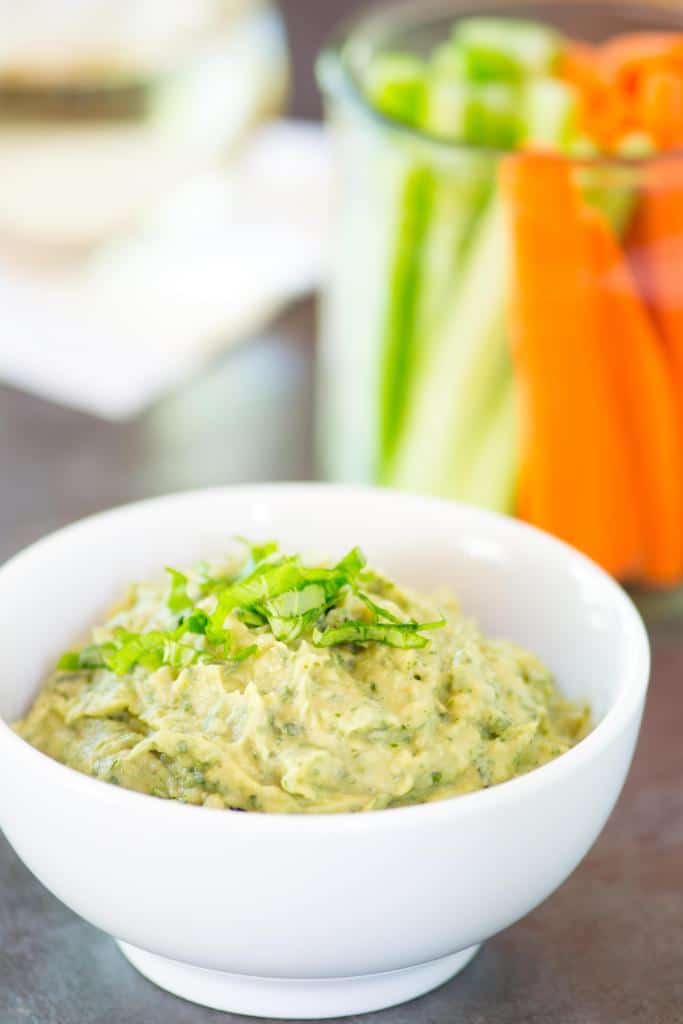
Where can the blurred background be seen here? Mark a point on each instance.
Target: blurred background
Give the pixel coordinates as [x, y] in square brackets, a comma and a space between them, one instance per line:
[163, 197]
[171, 206]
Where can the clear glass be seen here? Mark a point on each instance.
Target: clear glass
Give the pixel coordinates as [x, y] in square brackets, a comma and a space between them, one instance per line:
[490, 331]
[106, 106]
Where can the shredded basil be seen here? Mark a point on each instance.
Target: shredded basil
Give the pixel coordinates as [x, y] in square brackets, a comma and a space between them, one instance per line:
[403, 635]
[273, 591]
[178, 598]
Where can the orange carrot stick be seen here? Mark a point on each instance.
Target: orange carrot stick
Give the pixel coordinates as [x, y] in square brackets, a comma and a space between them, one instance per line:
[603, 113]
[626, 58]
[578, 482]
[656, 254]
[578, 64]
[631, 83]
[647, 402]
[660, 107]
[656, 250]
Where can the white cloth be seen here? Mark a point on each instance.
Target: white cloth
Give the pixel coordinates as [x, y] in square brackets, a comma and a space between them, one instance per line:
[214, 264]
[55, 38]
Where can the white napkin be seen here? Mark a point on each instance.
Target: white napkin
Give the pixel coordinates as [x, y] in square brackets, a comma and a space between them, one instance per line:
[52, 38]
[214, 264]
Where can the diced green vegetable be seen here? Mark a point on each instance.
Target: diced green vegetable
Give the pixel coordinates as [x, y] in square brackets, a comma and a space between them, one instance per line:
[449, 61]
[482, 114]
[551, 114]
[506, 49]
[396, 85]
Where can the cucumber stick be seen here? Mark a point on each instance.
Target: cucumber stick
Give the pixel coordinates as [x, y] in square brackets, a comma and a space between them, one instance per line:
[398, 345]
[451, 396]
[457, 202]
[492, 479]
[365, 229]
[435, 221]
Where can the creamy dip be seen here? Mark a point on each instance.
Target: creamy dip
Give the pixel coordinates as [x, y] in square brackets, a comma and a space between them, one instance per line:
[178, 697]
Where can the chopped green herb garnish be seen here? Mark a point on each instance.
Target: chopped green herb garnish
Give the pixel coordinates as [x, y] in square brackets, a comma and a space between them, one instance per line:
[197, 621]
[243, 654]
[403, 635]
[151, 650]
[178, 598]
[259, 552]
[286, 595]
[274, 592]
[69, 662]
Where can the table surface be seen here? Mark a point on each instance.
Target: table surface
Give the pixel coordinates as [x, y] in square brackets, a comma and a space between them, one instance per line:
[607, 948]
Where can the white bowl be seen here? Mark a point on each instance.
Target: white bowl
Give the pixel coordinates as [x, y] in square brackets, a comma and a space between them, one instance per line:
[318, 915]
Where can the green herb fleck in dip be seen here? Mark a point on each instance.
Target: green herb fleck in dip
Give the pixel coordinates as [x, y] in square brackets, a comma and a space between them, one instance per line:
[268, 684]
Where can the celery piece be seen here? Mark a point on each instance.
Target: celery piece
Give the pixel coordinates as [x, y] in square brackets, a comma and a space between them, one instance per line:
[464, 367]
[506, 49]
[550, 114]
[492, 479]
[448, 61]
[396, 85]
[482, 114]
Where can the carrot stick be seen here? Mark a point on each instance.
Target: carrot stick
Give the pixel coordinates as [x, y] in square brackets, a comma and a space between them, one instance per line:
[578, 64]
[660, 107]
[577, 472]
[656, 250]
[625, 58]
[631, 83]
[656, 254]
[641, 378]
[603, 114]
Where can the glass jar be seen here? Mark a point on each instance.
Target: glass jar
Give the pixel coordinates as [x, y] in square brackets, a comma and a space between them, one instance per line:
[506, 328]
[108, 105]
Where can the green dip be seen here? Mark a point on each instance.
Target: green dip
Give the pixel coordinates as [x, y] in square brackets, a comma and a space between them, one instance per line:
[230, 686]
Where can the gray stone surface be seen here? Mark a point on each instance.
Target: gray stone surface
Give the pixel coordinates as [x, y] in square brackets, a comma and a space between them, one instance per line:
[606, 949]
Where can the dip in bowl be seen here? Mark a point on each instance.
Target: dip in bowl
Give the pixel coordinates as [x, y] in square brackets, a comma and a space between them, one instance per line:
[314, 915]
[266, 683]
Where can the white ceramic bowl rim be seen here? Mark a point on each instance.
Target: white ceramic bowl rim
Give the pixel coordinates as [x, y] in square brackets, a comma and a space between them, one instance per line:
[632, 691]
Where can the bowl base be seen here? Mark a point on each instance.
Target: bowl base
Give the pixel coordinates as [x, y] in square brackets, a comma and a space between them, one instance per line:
[296, 998]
